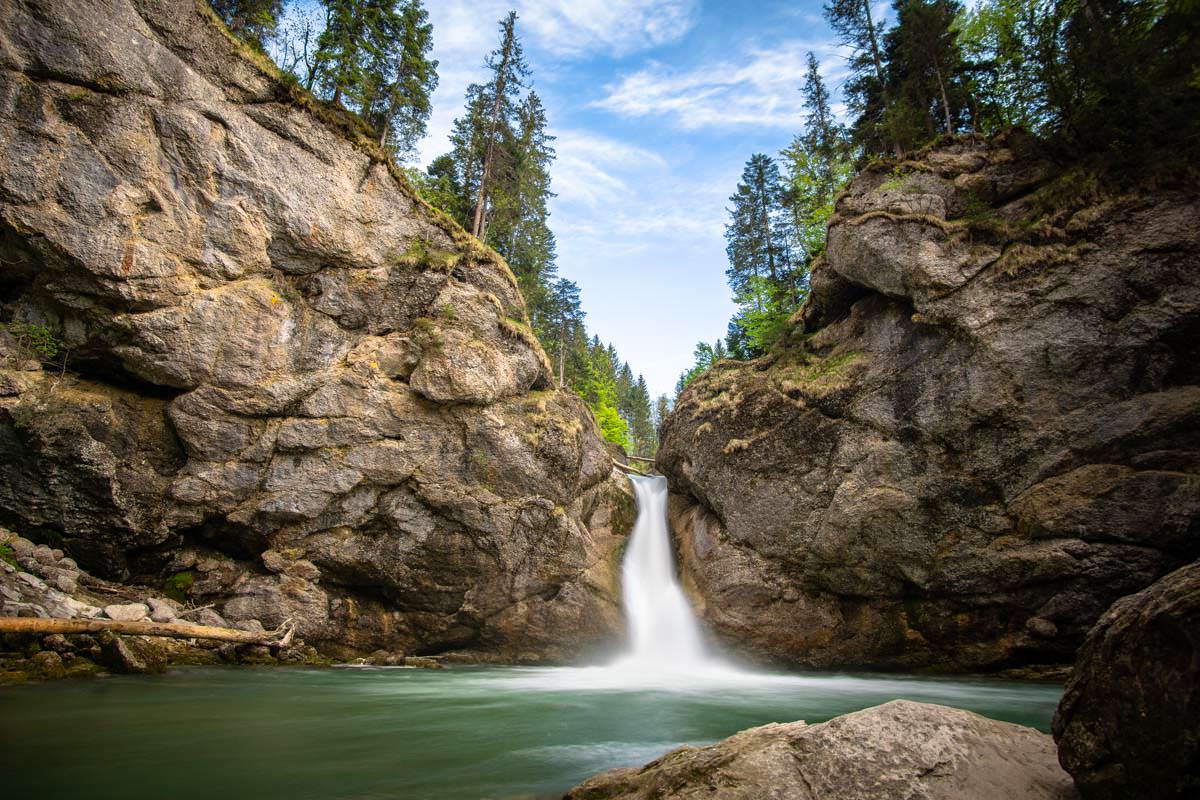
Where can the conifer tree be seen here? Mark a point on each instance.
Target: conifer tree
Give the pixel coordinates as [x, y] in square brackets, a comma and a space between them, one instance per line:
[372, 57]
[760, 270]
[565, 314]
[519, 227]
[866, 88]
[507, 64]
[253, 20]
[399, 77]
[925, 73]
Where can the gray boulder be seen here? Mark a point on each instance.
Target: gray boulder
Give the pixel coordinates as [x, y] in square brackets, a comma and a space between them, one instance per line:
[900, 749]
[127, 612]
[1128, 725]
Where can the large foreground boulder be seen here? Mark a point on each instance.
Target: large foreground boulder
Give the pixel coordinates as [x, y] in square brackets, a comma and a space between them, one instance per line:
[272, 378]
[982, 430]
[1128, 726]
[897, 750]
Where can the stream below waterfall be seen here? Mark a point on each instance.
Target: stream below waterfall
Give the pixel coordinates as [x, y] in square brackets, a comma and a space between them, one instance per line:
[367, 733]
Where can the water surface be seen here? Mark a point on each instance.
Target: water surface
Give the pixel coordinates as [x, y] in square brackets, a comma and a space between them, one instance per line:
[371, 734]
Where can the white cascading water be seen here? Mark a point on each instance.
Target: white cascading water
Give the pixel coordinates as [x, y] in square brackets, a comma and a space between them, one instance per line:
[667, 649]
[663, 629]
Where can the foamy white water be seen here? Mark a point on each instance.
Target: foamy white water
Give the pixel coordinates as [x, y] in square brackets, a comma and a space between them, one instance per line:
[667, 647]
[663, 628]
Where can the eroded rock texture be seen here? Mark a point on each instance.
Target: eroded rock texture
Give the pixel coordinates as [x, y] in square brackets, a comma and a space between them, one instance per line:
[287, 377]
[983, 430]
[1128, 725]
[899, 749]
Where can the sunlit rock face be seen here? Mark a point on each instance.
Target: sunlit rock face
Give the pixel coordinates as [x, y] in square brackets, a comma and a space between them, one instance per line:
[983, 429]
[286, 375]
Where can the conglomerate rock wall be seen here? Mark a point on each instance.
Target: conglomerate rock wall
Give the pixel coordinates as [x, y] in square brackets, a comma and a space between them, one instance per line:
[289, 385]
[983, 429]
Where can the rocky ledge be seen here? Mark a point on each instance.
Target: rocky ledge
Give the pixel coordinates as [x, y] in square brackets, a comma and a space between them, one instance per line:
[899, 749]
[982, 429]
[244, 360]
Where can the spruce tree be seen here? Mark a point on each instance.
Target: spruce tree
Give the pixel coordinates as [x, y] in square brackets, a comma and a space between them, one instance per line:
[566, 316]
[507, 64]
[760, 269]
[399, 77]
[926, 73]
[253, 20]
[866, 88]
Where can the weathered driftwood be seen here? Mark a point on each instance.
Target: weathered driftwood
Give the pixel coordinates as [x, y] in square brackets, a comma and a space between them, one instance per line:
[280, 637]
[641, 458]
[628, 468]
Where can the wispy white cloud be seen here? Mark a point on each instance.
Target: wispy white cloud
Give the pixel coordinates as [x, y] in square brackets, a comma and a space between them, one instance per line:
[614, 27]
[465, 31]
[594, 170]
[759, 87]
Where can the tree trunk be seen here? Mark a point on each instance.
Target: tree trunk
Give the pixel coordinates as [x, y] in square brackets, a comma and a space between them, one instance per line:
[280, 637]
[945, 102]
[481, 201]
[562, 354]
[878, 61]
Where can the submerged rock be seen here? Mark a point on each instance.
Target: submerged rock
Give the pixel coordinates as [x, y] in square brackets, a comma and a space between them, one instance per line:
[900, 749]
[1128, 725]
[983, 428]
[296, 390]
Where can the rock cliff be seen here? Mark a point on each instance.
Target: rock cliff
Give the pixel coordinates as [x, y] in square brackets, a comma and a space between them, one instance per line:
[983, 428]
[285, 383]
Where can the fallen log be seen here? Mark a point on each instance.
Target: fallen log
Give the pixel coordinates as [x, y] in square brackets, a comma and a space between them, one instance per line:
[280, 637]
[628, 468]
[641, 458]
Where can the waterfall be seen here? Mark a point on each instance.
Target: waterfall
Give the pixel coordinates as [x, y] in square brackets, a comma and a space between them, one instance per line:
[664, 632]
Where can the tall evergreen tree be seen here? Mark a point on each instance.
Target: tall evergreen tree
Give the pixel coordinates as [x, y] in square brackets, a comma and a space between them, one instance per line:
[373, 57]
[755, 239]
[824, 139]
[641, 420]
[760, 270]
[566, 317]
[866, 88]
[399, 77]
[507, 64]
[926, 73]
[519, 228]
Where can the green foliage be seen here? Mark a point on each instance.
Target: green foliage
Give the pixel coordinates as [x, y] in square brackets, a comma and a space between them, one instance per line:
[33, 341]
[8, 555]
[1114, 77]
[613, 426]
[177, 586]
[705, 355]
[368, 56]
[777, 228]
[252, 20]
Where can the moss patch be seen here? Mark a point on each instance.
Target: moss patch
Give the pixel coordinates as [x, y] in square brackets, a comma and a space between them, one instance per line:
[177, 586]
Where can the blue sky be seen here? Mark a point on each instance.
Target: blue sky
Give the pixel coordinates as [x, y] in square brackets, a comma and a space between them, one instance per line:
[656, 105]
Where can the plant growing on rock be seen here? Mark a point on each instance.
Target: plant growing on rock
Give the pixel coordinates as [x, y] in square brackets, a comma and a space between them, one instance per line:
[33, 341]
